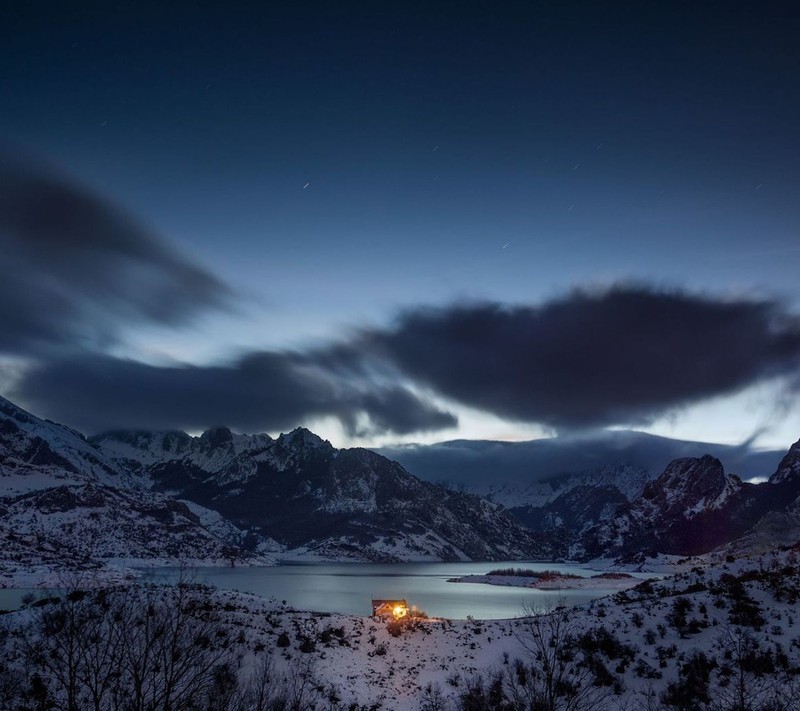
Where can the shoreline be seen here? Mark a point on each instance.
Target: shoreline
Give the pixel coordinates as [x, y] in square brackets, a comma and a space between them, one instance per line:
[602, 581]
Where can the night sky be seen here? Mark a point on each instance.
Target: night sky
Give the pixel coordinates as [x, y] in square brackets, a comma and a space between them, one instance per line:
[403, 222]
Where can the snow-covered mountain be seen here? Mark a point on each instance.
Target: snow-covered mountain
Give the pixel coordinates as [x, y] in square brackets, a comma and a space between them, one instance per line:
[692, 507]
[780, 526]
[38, 454]
[93, 524]
[66, 506]
[320, 502]
[566, 505]
[628, 480]
[168, 496]
[581, 489]
[695, 507]
[789, 468]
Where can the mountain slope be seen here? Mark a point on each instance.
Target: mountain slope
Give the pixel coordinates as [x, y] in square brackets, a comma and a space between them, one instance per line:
[788, 470]
[99, 523]
[37, 454]
[694, 507]
[321, 502]
[628, 480]
[168, 495]
[221, 495]
[65, 505]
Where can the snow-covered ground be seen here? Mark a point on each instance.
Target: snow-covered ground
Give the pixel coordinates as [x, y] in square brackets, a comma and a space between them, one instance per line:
[642, 644]
[369, 665]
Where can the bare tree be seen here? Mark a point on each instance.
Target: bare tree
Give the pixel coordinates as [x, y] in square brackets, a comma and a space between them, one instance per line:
[135, 649]
[262, 691]
[11, 681]
[300, 688]
[433, 699]
[554, 676]
[101, 651]
[55, 648]
[174, 648]
[747, 673]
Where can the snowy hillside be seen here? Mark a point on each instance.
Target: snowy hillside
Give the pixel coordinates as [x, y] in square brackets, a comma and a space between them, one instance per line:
[37, 454]
[88, 527]
[722, 637]
[627, 479]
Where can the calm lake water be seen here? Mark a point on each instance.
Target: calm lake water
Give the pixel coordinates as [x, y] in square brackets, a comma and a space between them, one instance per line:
[349, 587]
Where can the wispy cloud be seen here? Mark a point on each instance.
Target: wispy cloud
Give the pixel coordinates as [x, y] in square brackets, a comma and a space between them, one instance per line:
[76, 270]
[74, 267]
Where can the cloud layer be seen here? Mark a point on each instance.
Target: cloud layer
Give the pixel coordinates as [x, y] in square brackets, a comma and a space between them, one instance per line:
[263, 391]
[75, 271]
[73, 267]
[591, 359]
[465, 462]
[620, 356]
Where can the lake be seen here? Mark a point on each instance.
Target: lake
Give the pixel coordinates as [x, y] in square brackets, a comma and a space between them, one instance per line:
[349, 587]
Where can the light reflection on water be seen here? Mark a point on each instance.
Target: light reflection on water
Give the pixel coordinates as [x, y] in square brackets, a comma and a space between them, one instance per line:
[349, 587]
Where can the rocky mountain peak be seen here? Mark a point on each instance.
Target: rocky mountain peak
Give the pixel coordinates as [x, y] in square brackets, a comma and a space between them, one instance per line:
[216, 438]
[302, 438]
[789, 468]
[688, 481]
[142, 439]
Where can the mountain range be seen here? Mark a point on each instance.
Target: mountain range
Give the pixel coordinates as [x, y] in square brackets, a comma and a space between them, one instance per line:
[693, 507]
[319, 501]
[227, 498]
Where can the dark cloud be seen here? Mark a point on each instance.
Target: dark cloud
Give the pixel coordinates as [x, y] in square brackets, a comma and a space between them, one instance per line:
[74, 270]
[263, 391]
[620, 356]
[73, 267]
[591, 359]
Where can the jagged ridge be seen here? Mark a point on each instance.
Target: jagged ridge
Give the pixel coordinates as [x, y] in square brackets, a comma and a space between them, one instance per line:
[320, 501]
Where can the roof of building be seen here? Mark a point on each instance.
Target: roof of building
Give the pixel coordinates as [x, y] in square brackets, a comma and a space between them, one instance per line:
[384, 602]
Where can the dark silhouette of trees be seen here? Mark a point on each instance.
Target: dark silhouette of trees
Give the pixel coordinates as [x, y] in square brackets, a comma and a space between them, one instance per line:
[142, 648]
[137, 649]
[563, 668]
